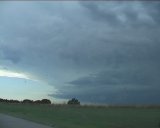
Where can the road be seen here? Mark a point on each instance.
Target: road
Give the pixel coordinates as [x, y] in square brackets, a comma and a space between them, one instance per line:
[13, 122]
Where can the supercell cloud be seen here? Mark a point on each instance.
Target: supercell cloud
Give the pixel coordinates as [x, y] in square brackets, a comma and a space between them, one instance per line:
[99, 52]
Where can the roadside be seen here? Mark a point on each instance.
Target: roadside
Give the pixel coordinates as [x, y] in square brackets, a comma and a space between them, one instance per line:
[13, 122]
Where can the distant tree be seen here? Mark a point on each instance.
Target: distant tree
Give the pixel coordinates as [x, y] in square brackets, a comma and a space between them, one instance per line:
[27, 101]
[37, 102]
[9, 101]
[45, 101]
[14, 101]
[1, 100]
[73, 101]
[4, 100]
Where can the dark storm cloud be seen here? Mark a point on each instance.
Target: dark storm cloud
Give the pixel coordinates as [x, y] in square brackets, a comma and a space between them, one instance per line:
[128, 86]
[132, 65]
[10, 54]
[153, 9]
[98, 13]
[95, 51]
[136, 13]
[122, 96]
[130, 77]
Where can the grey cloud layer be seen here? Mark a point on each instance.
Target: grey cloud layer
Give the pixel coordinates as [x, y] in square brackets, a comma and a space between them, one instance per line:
[85, 49]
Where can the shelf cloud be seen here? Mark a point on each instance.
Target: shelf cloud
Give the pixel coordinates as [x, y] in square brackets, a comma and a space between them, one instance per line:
[98, 52]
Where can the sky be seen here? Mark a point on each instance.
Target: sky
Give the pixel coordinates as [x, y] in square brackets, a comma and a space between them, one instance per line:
[98, 52]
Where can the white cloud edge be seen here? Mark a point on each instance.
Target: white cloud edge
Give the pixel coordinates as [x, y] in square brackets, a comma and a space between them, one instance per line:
[7, 73]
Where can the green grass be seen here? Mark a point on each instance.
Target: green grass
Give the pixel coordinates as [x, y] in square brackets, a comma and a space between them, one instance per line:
[86, 117]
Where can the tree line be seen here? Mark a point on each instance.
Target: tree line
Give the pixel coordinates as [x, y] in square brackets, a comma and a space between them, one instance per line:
[26, 101]
[73, 101]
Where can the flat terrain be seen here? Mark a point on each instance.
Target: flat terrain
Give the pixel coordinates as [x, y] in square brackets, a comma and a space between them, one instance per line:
[86, 117]
[13, 122]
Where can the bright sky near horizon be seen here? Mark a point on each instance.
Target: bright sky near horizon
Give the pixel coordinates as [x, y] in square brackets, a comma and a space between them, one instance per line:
[99, 52]
[19, 86]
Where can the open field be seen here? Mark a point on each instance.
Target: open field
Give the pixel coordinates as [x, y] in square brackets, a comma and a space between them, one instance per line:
[86, 117]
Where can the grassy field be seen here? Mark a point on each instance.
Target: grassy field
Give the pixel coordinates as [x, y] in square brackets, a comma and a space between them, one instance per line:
[86, 117]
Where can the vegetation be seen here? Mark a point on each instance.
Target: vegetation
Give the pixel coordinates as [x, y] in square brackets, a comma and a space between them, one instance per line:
[73, 101]
[66, 116]
[26, 101]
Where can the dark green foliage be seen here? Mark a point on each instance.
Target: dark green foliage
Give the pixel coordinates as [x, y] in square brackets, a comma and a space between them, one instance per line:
[45, 101]
[37, 102]
[26, 101]
[9, 101]
[73, 101]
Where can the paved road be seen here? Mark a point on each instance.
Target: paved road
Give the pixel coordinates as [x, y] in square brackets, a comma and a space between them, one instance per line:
[13, 122]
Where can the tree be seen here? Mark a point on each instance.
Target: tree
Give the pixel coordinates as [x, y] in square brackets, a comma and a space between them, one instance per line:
[37, 102]
[1, 100]
[27, 101]
[45, 101]
[73, 101]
